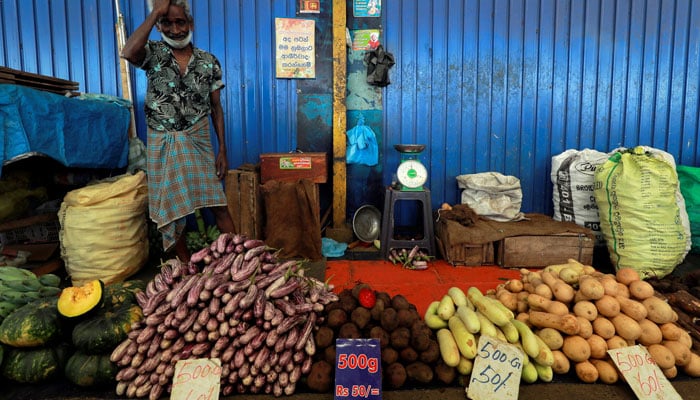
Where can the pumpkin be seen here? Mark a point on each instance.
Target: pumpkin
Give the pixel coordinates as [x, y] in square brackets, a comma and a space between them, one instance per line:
[90, 369]
[76, 301]
[106, 329]
[30, 365]
[119, 293]
[33, 324]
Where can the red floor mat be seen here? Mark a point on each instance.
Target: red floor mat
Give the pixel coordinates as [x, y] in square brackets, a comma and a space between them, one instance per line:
[419, 287]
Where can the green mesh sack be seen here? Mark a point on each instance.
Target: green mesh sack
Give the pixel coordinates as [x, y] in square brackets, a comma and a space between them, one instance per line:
[642, 212]
[689, 178]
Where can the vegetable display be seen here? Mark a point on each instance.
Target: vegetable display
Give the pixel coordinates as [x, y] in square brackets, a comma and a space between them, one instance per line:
[581, 313]
[19, 286]
[234, 301]
[409, 349]
[564, 318]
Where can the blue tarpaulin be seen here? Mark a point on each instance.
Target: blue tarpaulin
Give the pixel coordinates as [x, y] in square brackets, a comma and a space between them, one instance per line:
[87, 132]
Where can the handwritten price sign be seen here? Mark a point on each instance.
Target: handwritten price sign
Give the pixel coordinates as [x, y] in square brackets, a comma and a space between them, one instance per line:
[497, 369]
[197, 379]
[642, 374]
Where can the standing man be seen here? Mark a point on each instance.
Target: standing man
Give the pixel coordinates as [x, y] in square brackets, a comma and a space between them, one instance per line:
[184, 85]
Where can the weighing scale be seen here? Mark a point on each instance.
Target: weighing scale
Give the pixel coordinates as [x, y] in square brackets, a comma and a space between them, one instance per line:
[411, 173]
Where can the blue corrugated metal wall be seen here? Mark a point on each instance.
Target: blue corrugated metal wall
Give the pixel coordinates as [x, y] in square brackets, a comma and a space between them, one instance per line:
[488, 85]
[502, 85]
[75, 40]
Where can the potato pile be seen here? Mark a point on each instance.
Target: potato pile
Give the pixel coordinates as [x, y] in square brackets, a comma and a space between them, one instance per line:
[580, 313]
[409, 349]
[683, 294]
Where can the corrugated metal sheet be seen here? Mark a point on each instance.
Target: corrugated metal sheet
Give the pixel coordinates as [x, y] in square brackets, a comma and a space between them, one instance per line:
[75, 40]
[503, 85]
[488, 85]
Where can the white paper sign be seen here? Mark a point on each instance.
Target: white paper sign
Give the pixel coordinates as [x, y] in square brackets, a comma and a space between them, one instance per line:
[645, 378]
[497, 369]
[197, 379]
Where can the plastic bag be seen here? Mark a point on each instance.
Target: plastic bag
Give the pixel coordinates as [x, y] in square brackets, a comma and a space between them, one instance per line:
[573, 178]
[642, 212]
[689, 178]
[378, 64]
[103, 229]
[492, 195]
[362, 147]
[331, 248]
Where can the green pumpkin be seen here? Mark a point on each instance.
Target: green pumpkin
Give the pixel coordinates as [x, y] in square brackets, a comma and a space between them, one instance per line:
[31, 325]
[90, 370]
[30, 365]
[119, 293]
[102, 332]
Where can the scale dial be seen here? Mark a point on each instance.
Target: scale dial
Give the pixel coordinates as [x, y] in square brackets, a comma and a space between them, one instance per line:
[412, 174]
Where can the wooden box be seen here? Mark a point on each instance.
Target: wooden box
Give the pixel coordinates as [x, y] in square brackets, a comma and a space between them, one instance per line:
[293, 166]
[245, 202]
[466, 254]
[540, 251]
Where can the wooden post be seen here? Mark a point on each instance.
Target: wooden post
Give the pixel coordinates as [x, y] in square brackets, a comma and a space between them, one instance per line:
[339, 113]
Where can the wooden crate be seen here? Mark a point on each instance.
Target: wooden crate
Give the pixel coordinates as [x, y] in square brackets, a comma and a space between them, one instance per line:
[293, 166]
[245, 202]
[540, 251]
[466, 254]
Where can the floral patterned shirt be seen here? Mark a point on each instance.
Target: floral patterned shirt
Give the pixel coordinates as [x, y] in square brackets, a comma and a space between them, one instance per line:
[175, 102]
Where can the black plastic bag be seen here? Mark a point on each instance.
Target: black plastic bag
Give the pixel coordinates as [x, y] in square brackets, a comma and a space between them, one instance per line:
[378, 64]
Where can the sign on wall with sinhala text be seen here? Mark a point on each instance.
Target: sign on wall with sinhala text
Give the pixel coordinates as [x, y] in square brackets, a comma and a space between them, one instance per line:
[295, 48]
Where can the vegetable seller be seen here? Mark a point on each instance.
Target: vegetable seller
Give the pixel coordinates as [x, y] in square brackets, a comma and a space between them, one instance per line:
[184, 85]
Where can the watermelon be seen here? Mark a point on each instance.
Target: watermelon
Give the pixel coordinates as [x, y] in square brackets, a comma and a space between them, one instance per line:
[31, 325]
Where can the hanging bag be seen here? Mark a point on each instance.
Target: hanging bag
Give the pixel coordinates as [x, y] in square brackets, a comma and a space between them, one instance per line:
[362, 147]
[378, 64]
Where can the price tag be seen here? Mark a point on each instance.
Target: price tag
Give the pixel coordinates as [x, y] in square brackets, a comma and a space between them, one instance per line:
[197, 379]
[642, 374]
[497, 369]
[358, 369]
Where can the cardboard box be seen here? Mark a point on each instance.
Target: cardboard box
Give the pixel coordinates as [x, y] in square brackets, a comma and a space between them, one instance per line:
[293, 166]
[245, 202]
[540, 251]
[466, 254]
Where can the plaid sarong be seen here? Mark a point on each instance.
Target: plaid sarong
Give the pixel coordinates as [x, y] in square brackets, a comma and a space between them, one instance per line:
[181, 177]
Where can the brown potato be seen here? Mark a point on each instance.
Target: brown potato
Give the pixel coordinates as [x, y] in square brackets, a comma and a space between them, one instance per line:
[420, 372]
[607, 373]
[586, 371]
[395, 375]
[603, 327]
[607, 306]
[576, 348]
[641, 290]
[651, 334]
[681, 353]
[658, 310]
[662, 356]
[627, 275]
[598, 345]
[586, 309]
[693, 367]
[561, 363]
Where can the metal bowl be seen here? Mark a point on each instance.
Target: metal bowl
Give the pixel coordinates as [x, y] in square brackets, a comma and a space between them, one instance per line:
[367, 223]
[409, 148]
